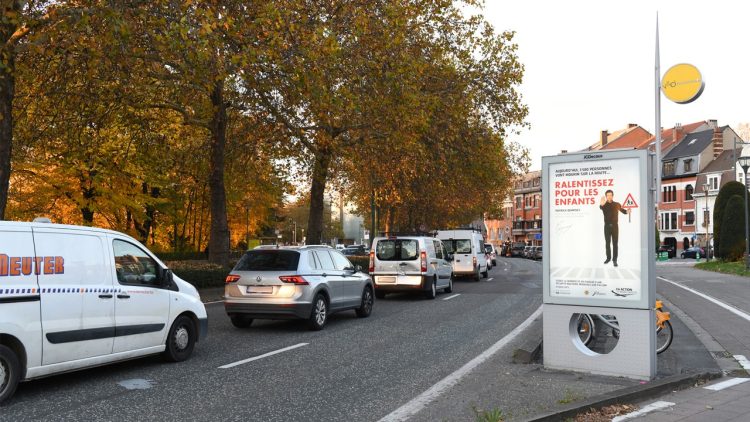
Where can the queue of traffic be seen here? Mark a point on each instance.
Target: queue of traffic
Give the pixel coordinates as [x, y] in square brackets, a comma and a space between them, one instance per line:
[76, 297]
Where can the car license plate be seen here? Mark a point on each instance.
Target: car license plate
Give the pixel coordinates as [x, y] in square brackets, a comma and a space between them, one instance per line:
[260, 289]
[386, 279]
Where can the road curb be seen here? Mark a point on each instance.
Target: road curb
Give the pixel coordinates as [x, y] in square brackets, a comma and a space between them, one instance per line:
[629, 395]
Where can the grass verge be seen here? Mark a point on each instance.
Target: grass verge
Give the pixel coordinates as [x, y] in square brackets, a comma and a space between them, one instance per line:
[736, 267]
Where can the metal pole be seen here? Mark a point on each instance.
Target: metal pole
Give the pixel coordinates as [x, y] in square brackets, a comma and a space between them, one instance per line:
[294, 237]
[657, 113]
[747, 229]
[705, 220]
[372, 216]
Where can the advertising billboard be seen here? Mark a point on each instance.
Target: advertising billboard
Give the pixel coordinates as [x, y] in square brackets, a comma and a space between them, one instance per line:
[598, 229]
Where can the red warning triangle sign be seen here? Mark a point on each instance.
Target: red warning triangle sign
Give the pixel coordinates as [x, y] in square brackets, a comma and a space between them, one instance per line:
[629, 202]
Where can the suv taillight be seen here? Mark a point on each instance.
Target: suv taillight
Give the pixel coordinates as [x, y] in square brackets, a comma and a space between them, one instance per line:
[294, 279]
[231, 278]
[423, 259]
[474, 260]
[372, 262]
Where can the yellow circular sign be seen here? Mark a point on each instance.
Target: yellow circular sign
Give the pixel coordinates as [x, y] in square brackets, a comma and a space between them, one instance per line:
[682, 83]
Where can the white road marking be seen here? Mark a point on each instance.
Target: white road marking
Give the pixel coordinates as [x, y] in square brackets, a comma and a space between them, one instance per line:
[726, 384]
[728, 307]
[421, 401]
[742, 360]
[640, 412]
[451, 297]
[265, 355]
[490, 279]
[136, 384]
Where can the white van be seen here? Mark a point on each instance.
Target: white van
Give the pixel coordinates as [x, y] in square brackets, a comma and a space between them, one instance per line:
[74, 297]
[466, 246]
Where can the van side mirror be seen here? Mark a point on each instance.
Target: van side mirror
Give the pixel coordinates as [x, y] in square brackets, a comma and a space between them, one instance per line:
[449, 258]
[165, 277]
[358, 268]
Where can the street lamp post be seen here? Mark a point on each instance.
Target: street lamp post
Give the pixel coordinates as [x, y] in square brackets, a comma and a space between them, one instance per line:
[706, 186]
[745, 164]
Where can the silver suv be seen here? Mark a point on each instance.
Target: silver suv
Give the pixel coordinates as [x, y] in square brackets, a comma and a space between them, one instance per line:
[410, 263]
[304, 282]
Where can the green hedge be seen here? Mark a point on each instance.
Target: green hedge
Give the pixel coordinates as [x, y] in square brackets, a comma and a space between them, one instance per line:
[363, 261]
[201, 274]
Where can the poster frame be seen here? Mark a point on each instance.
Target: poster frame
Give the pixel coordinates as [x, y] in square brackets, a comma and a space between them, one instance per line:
[648, 227]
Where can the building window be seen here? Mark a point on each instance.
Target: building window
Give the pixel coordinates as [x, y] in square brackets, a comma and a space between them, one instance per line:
[689, 192]
[669, 194]
[668, 168]
[687, 165]
[713, 183]
[668, 221]
[519, 202]
[537, 181]
[689, 218]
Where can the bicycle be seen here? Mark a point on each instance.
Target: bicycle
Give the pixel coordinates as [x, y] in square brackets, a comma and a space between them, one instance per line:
[664, 333]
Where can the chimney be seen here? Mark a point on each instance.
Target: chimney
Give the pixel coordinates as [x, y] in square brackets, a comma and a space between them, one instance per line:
[564, 151]
[603, 138]
[677, 132]
[713, 124]
[632, 125]
[718, 141]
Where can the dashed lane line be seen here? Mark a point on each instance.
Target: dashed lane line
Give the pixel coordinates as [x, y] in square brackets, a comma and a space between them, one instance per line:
[451, 297]
[265, 355]
[726, 384]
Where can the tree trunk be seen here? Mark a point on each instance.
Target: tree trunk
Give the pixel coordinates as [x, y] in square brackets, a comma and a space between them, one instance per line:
[317, 193]
[7, 92]
[218, 243]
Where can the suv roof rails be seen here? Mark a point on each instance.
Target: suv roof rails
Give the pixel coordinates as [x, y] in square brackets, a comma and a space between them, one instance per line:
[474, 229]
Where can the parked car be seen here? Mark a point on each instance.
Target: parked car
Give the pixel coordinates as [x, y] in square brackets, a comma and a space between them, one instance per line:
[492, 251]
[410, 263]
[527, 251]
[670, 250]
[467, 248]
[692, 252]
[76, 297]
[306, 282]
[340, 246]
[517, 248]
[538, 252]
[355, 250]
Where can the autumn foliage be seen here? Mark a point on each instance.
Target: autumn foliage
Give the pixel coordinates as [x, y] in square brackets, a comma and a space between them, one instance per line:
[185, 122]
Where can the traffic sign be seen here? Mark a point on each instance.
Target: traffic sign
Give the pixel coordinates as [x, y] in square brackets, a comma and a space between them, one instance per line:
[629, 202]
[682, 83]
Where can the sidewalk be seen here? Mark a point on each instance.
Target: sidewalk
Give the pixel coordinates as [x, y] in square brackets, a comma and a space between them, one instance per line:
[727, 399]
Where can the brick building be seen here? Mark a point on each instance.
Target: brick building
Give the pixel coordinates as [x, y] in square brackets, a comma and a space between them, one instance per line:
[527, 209]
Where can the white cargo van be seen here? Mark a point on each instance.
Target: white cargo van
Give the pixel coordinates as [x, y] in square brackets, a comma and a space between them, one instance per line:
[74, 297]
[466, 246]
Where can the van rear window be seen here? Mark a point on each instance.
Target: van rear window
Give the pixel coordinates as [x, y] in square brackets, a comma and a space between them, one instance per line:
[457, 246]
[268, 260]
[397, 250]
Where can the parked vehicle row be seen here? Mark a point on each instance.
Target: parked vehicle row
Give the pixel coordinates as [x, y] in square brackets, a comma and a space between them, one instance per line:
[520, 249]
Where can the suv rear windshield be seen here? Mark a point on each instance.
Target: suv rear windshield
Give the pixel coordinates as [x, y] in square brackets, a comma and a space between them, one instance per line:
[457, 246]
[268, 260]
[397, 250]
[519, 245]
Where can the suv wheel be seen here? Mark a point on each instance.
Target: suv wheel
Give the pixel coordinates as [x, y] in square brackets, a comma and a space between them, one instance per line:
[10, 373]
[449, 289]
[477, 276]
[181, 339]
[241, 321]
[432, 293]
[486, 272]
[319, 315]
[365, 308]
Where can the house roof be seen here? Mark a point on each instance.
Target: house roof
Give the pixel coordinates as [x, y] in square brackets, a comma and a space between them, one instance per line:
[667, 136]
[693, 144]
[630, 139]
[725, 161]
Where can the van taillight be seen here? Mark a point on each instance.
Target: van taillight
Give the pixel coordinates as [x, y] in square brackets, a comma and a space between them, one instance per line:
[474, 260]
[423, 258]
[294, 279]
[231, 278]
[372, 262]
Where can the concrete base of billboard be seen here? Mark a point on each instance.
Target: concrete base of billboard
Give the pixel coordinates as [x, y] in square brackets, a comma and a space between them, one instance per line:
[634, 356]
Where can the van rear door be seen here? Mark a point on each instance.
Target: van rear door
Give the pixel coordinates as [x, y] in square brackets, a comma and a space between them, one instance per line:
[78, 311]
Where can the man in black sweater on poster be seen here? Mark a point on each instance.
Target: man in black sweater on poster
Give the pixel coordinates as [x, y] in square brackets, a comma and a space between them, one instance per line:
[611, 229]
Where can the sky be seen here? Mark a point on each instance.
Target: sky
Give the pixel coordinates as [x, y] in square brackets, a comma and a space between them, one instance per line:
[590, 65]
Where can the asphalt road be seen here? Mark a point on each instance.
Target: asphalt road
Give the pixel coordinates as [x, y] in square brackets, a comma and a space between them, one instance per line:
[355, 369]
